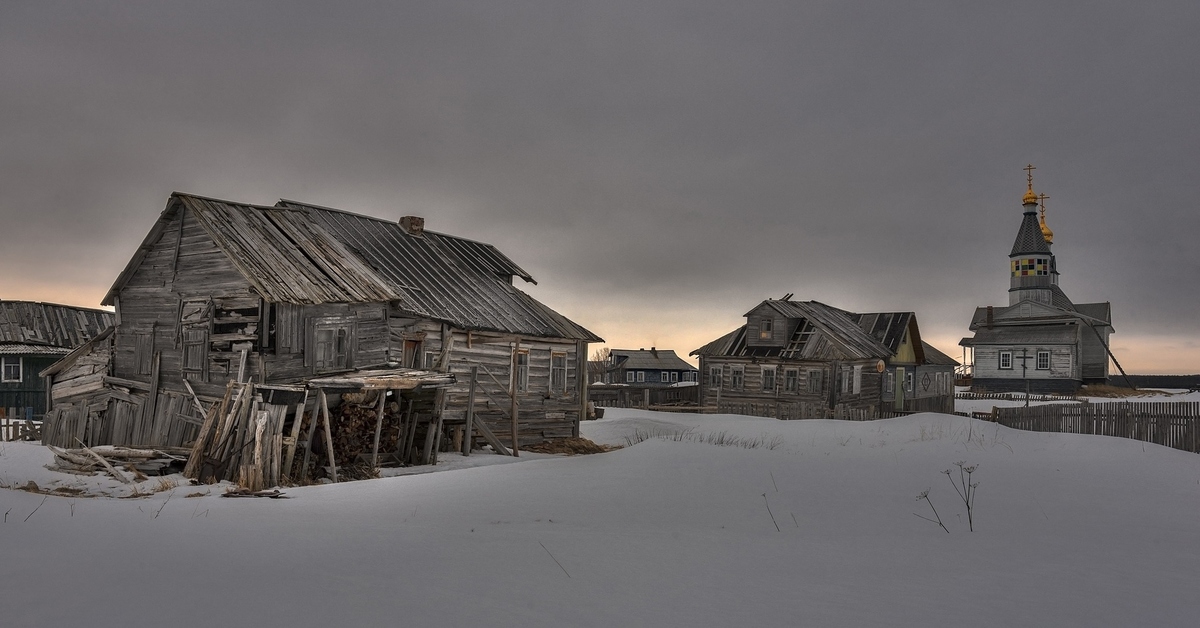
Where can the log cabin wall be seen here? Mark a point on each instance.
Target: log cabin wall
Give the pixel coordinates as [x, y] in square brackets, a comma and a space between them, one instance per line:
[185, 296]
[549, 406]
[816, 382]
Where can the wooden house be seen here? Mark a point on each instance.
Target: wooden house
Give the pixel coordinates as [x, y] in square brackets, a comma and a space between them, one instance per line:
[291, 294]
[647, 368]
[1042, 342]
[32, 337]
[805, 359]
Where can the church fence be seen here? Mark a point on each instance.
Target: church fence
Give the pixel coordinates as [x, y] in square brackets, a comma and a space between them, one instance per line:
[1172, 424]
[1014, 396]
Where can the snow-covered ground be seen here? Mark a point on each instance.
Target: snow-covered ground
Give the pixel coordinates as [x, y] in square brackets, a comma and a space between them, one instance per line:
[803, 523]
[1149, 395]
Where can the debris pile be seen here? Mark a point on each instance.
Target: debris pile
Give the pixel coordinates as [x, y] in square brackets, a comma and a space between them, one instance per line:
[136, 463]
[241, 440]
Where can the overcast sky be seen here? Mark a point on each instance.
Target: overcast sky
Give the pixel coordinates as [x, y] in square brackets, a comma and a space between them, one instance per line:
[660, 168]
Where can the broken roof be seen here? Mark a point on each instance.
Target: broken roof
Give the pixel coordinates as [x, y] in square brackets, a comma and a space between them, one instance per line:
[300, 253]
[49, 324]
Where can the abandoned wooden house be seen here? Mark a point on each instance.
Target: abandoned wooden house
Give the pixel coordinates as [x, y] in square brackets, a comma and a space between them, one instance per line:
[297, 297]
[644, 377]
[33, 336]
[805, 359]
[1041, 342]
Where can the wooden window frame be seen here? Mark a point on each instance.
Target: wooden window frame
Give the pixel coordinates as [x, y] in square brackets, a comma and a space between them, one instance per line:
[791, 380]
[737, 377]
[521, 364]
[344, 341]
[715, 375]
[641, 376]
[766, 328]
[1002, 361]
[1039, 360]
[814, 381]
[558, 372]
[8, 361]
[768, 378]
[630, 377]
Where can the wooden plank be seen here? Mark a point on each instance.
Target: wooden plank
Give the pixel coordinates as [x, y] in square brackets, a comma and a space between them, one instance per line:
[378, 429]
[323, 402]
[490, 437]
[467, 436]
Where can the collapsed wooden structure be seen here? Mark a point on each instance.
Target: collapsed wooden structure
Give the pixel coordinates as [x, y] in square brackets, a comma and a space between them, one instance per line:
[299, 299]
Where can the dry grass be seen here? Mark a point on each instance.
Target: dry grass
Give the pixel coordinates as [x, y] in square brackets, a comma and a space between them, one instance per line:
[1115, 392]
[569, 446]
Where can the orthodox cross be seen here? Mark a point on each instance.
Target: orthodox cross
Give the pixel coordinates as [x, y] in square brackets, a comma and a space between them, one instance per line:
[1042, 198]
[1029, 174]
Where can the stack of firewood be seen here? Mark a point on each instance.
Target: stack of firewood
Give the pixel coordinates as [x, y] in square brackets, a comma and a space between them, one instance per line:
[124, 464]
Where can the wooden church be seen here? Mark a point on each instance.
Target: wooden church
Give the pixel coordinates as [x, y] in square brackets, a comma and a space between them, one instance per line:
[1042, 342]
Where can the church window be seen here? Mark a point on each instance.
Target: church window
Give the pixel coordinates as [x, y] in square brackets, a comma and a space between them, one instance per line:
[1006, 360]
[1043, 360]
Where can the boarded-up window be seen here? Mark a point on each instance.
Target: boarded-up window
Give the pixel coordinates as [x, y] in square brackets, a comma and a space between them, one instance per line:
[289, 328]
[143, 349]
[558, 372]
[195, 350]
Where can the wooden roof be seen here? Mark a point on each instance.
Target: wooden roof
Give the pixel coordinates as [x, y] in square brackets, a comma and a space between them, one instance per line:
[298, 253]
[34, 323]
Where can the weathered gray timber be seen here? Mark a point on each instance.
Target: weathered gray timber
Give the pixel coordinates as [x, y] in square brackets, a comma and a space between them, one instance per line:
[298, 294]
[793, 355]
[1171, 424]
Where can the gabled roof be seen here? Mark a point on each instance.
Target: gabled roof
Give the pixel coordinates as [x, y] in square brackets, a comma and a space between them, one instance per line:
[649, 359]
[297, 253]
[933, 356]
[49, 324]
[1030, 239]
[825, 332]
[1032, 312]
[1033, 334]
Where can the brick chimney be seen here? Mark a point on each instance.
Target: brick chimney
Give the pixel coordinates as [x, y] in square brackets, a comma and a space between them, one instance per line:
[414, 225]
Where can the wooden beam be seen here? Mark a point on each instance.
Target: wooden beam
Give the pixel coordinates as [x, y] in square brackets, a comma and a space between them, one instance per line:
[581, 361]
[323, 402]
[291, 451]
[378, 428]
[467, 437]
[490, 437]
[513, 394]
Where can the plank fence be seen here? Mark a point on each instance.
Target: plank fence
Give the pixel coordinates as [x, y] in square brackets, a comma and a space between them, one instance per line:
[799, 410]
[19, 429]
[1171, 424]
[1009, 396]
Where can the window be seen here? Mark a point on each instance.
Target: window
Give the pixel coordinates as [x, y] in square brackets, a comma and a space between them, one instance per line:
[765, 326]
[430, 360]
[791, 378]
[714, 376]
[664, 377]
[1043, 360]
[675, 376]
[641, 376]
[522, 371]
[814, 382]
[333, 346]
[908, 381]
[629, 377]
[1006, 359]
[844, 374]
[558, 372]
[738, 376]
[889, 382]
[768, 378]
[10, 365]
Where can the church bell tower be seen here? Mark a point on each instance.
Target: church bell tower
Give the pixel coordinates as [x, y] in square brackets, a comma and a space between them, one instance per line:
[1033, 271]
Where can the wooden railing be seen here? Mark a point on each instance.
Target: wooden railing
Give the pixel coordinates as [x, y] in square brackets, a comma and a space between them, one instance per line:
[1171, 424]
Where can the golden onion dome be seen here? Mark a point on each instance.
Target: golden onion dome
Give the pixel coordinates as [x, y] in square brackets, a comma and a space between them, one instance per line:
[1046, 231]
[1030, 198]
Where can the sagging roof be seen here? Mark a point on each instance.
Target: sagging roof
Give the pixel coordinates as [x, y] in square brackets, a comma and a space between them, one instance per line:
[824, 332]
[298, 253]
[649, 360]
[49, 324]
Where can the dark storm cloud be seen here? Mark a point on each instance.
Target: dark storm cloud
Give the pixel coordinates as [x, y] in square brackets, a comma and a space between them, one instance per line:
[665, 155]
